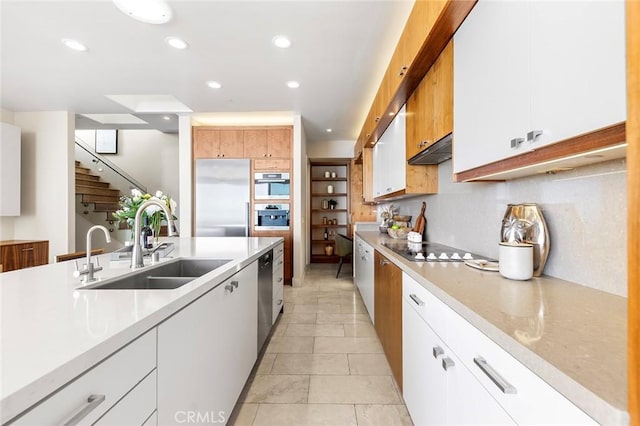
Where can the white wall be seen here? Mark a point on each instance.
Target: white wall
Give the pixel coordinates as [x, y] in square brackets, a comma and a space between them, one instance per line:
[48, 209]
[6, 222]
[585, 210]
[300, 173]
[330, 149]
[185, 175]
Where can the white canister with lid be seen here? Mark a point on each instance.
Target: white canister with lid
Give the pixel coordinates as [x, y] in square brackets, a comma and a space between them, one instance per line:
[516, 260]
[330, 189]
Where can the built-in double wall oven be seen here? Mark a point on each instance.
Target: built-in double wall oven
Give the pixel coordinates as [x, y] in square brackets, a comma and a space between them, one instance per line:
[273, 217]
[272, 186]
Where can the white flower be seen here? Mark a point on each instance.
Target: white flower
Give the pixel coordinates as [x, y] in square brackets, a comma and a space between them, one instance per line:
[158, 194]
[172, 205]
[136, 193]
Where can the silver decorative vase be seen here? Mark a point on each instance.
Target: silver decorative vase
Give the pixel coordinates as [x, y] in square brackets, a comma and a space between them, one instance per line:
[524, 223]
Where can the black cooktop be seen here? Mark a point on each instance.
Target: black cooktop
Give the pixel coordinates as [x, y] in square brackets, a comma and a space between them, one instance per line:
[430, 252]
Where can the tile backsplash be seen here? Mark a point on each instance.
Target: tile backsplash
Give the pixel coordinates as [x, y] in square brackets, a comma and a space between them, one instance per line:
[585, 210]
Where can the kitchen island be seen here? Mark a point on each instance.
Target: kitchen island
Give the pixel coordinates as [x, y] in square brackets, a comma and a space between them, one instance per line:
[570, 336]
[53, 330]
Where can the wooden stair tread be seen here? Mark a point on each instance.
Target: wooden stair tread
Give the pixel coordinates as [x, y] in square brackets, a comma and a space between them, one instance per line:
[90, 198]
[92, 190]
[106, 207]
[86, 177]
[83, 170]
[92, 183]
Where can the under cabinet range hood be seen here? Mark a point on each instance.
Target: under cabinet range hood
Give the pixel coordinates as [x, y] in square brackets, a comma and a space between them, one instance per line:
[434, 154]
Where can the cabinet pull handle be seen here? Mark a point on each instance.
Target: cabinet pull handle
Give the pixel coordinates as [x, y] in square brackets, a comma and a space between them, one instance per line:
[234, 283]
[515, 142]
[384, 262]
[437, 351]
[496, 378]
[280, 263]
[280, 279]
[447, 363]
[28, 249]
[92, 402]
[229, 288]
[416, 299]
[279, 302]
[533, 135]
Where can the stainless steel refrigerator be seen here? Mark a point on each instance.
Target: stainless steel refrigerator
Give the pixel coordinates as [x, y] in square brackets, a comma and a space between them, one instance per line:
[222, 198]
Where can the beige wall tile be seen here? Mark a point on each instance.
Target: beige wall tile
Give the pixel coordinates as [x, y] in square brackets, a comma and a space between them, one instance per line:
[311, 364]
[353, 390]
[345, 345]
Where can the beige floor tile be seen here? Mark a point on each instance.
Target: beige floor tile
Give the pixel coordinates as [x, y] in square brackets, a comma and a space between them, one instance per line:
[317, 308]
[292, 318]
[323, 318]
[278, 389]
[346, 345]
[369, 365]
[336, 330]
[353, 308]
[243, 415]
[383, 415]
[288, 308]
[279, 330]
[305, 415]
[290, 345]
[266, 363]
[359, 329]
[352, 390]
[336, 364]
[335, 299]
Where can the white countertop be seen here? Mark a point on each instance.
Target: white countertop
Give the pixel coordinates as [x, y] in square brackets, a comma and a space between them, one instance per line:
[51, 332]
[572, 336]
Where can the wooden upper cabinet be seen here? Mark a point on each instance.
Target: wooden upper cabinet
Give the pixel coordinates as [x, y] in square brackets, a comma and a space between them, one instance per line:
[260, 143]
[231, 143]
[206, 142]
[279, 142]
[430, 107]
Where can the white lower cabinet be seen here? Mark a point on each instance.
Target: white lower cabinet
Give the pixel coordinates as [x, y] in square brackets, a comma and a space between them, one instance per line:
[122, 381]
[454, 374]
[437, 388]
[207, 350]
[363, 269]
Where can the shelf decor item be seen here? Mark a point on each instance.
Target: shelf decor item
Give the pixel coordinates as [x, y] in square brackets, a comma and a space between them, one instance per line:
[329, 189]
[328, 249]
[332, 204]
[327, 174]
[129, 205]
[325, 204]
[334, 175]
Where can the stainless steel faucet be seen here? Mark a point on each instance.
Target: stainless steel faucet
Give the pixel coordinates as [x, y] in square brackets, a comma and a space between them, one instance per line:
[89, 269]
[136, 254]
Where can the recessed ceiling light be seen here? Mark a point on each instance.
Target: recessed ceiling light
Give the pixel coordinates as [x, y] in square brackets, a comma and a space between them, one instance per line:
[293, 84]
[176, 42]
[148, 11]
[329, 130]
[391, 114]
[74, 44]
[281, 41]
[166, 117]
[214, 84]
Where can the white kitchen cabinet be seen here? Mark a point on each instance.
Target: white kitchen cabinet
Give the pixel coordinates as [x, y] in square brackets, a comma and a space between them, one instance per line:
[278, 281]
[525, 66]
[363, 269]
[89, 396]
[136, 407]
[437, 388]
[207, 350]
[389, 158]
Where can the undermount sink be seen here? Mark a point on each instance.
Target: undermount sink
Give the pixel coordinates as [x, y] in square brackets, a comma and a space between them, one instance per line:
[166, 276]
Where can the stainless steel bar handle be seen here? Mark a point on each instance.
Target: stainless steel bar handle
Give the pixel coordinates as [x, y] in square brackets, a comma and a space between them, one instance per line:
[229, 288]
[416, 300]
[495, 377]
[234, 283]
[447, 363]
[533, 135]
[92, 402]
[437, 351]
[516, 142]
[28, 249]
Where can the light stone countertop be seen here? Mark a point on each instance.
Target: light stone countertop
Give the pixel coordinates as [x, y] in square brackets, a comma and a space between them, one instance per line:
[51, 332]
[571, 336]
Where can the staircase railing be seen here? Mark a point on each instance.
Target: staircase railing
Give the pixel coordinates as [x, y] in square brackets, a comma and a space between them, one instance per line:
[103, 167]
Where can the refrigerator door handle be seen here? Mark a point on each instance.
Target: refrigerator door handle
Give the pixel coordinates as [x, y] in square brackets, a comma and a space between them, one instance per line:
[247, 220]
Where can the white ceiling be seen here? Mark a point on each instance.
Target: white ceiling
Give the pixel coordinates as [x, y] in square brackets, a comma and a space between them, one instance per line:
[339, 53]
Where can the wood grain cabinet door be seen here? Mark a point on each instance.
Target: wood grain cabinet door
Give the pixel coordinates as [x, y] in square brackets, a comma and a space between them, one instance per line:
[388, 312]
[231, 143]
[255, 143]
[279, 143]
[206, 143]
[10, 258]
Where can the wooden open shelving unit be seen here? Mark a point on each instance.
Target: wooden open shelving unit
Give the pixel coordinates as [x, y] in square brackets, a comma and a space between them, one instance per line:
[318, 190]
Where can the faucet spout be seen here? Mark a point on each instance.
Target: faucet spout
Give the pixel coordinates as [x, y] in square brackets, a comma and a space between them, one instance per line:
[89, 268]
[136, 254]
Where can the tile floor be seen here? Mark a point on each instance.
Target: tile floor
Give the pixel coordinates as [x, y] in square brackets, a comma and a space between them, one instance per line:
[324, 364]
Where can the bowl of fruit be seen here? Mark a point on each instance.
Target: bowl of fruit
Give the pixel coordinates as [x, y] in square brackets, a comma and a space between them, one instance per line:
[398, 232]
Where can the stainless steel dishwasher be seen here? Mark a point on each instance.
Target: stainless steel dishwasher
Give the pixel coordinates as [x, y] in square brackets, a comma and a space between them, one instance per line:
[265, 297]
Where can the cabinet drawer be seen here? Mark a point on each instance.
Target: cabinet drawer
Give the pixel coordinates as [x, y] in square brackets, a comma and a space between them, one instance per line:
[278, 251]
[136, 407]
[430, 308]
[516, 388]
[272, 164]
[110, 380]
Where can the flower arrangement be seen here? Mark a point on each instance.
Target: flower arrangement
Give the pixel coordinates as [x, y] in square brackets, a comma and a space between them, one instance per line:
[129, 205]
